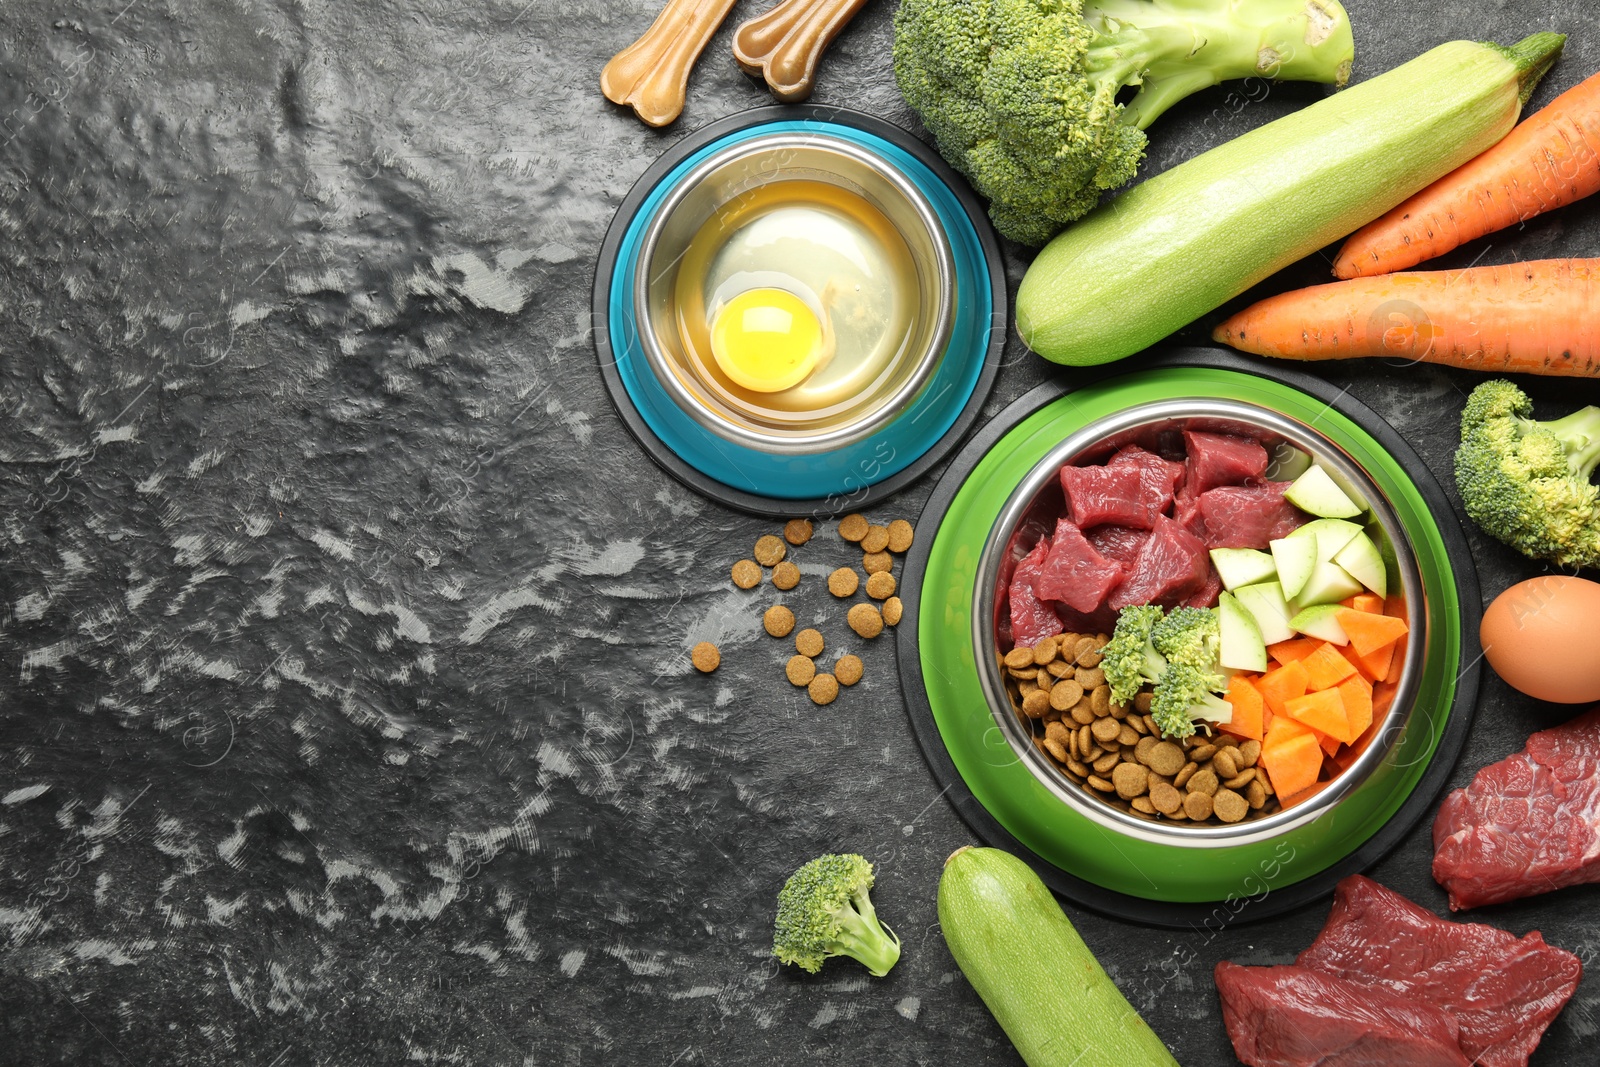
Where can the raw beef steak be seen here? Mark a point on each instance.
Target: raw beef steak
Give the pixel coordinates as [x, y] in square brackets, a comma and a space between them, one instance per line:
[1074, 573]
[1031, 618]
[1526, 825]
[1248, 516]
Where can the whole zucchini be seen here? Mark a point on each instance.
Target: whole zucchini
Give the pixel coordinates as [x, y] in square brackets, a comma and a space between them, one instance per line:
[1031, 968]
[1182, 243]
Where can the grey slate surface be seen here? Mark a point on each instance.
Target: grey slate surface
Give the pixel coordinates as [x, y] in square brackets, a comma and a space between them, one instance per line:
[345, 712]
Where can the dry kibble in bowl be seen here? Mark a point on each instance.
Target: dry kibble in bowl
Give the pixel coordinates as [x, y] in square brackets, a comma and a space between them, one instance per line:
[785, 576]
[808, 642]
[770, 550]
[746, 575]
[705, 657]
[797, 531]
[778, 620]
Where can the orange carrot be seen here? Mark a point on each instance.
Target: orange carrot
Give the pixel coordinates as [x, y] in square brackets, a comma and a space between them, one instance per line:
[1369, 632]
[1364, 602]
[1324, 712]
[1326, 667]
[1375, 667]
[1293, 765]
[1247, 708]
[1282, 685]
[1357, 696]
[1294, 648]
[1529, 318]
[1551, 159]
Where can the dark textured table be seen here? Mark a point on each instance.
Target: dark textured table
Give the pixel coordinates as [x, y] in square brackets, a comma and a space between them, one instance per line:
[345, 710]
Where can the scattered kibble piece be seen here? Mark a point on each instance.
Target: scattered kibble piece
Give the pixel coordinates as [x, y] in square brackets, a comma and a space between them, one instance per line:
[824, 689]
[853, 527]
[843, 582]
[705, 657]
[876, 562]
[779, 621]
[808, 642]
[770, 550]
[848, 670]
[746, 575]
[797, 531]
[892, 609]
[876, 539]
[880, 585]
[800, 670]
[786, 575]
[900, 535]
[865, 620]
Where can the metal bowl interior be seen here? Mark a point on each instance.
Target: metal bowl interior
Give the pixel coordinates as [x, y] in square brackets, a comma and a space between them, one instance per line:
[1038, 495]
[728, 192]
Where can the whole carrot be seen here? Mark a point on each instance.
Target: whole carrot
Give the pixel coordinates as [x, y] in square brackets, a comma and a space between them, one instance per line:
[1528, 318]
[1551, 159]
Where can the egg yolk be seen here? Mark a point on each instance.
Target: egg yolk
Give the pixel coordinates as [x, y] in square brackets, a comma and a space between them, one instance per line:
[766, 339]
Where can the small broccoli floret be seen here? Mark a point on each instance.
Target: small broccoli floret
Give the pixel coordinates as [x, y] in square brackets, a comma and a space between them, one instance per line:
[1129, 660]
[1183, 695]
[1526, 482]
[824, 910]
[1191, 636]
[1021, 95]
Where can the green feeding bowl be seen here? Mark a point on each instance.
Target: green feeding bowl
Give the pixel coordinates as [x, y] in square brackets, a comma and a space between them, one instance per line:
[1110, 859]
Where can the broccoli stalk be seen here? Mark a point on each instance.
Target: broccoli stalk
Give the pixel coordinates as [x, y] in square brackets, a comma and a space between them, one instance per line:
[824, 910]
[1526, 482]
[1021, 95]
[1184, 695]
[1129, 660]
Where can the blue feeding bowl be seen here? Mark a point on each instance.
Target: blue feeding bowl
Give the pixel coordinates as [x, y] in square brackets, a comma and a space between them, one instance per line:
[857, 429]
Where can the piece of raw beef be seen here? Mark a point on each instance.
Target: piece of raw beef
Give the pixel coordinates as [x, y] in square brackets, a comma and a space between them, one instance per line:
[1117, 495]
[1502, 989]
[1248, 516]
[1074, 573]
[1525, 825]
[1220, 459]
[1172, 566]
[1031, 618]
[1297, 1017]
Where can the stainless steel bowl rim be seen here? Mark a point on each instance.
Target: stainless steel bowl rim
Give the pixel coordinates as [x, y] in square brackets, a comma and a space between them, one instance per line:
[1249, 831]
[799, 443]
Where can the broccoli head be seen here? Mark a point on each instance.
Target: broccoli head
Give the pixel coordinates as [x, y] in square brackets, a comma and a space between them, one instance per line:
[1190, 636]
[1023, 95]
[1526, 482]
[824, 910]
[1184, 695]
[1129, 660]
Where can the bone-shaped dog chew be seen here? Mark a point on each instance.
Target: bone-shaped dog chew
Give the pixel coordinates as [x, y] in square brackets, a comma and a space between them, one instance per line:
[651, 75]
[783, 45]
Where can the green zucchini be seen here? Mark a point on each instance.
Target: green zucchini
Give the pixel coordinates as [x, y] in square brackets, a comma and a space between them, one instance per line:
[1031, 968]
[1191, 238]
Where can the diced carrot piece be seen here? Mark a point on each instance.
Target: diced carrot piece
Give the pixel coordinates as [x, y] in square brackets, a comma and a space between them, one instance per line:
[1282, 685]
[1326, 667]
[1281, 729]
[1357, 697]
[1375, 665]
[1369, 632]
[1330, 744]
[1296, 648]
[1293, 764]
[1364, 602]
[1322, 710]
[1382, 700]
[1247, 708]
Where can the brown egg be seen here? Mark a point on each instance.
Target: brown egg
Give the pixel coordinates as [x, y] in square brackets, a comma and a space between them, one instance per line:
[1539, 636]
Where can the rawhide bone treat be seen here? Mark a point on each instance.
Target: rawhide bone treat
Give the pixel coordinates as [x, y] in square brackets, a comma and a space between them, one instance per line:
[651, 75]
[784, 44]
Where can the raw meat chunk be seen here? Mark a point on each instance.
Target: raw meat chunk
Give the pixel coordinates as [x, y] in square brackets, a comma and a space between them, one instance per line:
[1297, 1017]
[1248, 516]
[1171, 567]
[1161, 476]
[1207, 596]
[1031, 619]
[1109, 494]
[1120, 543]
[1221, 459]
[1526, 825]
[1102, 620]
[1074, 573]
[1503, 990]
